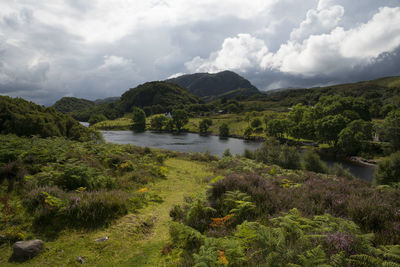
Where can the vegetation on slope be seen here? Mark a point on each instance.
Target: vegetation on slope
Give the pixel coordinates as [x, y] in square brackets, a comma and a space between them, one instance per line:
[24, 118]
[222, 84]
[72, 104]
[163, 94]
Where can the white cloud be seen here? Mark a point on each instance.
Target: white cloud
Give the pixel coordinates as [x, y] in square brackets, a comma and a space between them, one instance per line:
[237, 53]
[320, 20]
[332, 53]
[115, 62]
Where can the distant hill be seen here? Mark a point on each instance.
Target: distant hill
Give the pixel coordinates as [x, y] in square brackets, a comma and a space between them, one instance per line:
[106, 100]
[156, 93]
[379, 92]
[211, 86]
[23, 118]
[72, 104]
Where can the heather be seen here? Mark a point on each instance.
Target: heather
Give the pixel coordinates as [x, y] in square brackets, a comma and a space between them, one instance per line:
[255, 214]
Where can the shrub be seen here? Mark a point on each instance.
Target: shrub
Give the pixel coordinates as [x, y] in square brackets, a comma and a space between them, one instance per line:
[224, 130]
[388, 171]
[312, 162]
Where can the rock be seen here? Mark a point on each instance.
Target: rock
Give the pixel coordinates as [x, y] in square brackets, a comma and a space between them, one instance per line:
[80, 260]
[27, 249]
[101, 239]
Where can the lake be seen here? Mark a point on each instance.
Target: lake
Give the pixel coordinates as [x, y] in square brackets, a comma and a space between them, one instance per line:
[190, 142]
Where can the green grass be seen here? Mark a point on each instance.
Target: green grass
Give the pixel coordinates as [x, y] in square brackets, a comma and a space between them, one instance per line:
[135, 239]
[124, 123]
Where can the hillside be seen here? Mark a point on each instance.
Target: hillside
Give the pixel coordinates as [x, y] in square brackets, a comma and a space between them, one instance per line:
[23, 118]
[215, 85]
[72, 104]
[156, 93]
[379, 92]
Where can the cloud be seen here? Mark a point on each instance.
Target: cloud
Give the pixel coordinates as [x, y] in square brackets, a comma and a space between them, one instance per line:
[332, 53]
[341, 50]
[320, 20]
[237, 53]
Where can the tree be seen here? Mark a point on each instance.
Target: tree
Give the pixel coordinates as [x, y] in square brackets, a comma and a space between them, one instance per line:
[392, 128]
[247, 132]
[95, 118]
[255, 123]
[388, 171]
[312, 162]
[329, 127]
[139, 120]
[204, 125]
[224, 130]
[157, 122]
[351, 138]
[276, 128]
[180, 118]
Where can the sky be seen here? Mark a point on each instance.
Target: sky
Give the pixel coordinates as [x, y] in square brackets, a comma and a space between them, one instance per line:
[100, 48]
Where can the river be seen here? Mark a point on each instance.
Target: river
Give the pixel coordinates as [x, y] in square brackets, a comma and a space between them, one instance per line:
[190, 142]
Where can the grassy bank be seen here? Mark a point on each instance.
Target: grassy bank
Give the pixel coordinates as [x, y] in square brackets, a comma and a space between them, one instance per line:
[135, 239]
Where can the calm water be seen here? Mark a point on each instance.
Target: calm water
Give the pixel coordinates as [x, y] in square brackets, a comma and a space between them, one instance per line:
[185, 142]
[189, 142]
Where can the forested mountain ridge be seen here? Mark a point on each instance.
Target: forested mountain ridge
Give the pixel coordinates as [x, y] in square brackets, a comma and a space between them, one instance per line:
[72, 104]
[23, 118]
[156, 93]
[383, 91]
[215, 85]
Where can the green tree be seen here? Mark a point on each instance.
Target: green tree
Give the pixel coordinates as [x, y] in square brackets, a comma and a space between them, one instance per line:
[139, 120]
[388, 171]
[95, 118]
[351, 138]
[255, 123]
[224, 130]
[312, 162]
[247, 132]
[276, 128]
[157, 122]
[180, 118]
[391, 128]
[329, 127]
[204, 125]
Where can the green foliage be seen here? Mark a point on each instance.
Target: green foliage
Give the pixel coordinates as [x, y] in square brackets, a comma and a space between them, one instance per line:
[185, 237]
[224, 130]
[388, 170]
[247, 132]
[312, 162]
[329, 127]
[158, 122]
[392, 128]
[161, 94]
[139, 120]
[23, 118]
[95, 118]
[255, 123]
[204, 125]
[180, 118]
[72, 104]
[283, 155]
[351, 138]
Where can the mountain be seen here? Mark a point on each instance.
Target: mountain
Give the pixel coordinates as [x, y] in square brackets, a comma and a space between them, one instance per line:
[106, 100]
[222, 84]
[72, 104]
[379, 92]
[156, 93]
[23, 118]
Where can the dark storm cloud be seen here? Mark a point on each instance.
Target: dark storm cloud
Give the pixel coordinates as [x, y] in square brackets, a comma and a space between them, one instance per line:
[96, 49]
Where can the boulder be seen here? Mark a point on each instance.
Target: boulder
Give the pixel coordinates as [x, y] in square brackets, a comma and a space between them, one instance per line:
[27, 249]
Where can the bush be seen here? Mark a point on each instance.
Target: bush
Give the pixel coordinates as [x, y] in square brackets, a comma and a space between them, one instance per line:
[224, 130]
[274, 153]
[388, 170]
[312, 162]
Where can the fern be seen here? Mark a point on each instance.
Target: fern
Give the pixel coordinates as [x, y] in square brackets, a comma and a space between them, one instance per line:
[390, 253]
[338, 260]
[364, 260]
[390, 264]
[314, 257]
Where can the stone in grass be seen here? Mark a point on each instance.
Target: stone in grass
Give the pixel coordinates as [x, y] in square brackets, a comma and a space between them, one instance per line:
[103, 239]
[80, 260]
[27, 249]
